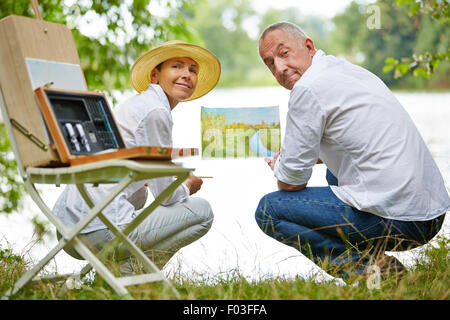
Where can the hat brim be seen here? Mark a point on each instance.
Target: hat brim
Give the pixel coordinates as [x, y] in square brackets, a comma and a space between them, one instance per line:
[208, 73]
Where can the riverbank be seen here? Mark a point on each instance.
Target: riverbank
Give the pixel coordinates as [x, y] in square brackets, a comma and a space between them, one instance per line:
[235, 243]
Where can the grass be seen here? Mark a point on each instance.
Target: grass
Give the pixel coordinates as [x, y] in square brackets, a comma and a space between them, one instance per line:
[428, 279]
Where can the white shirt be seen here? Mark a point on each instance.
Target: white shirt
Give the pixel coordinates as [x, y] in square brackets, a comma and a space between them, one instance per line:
[145, 120]
[349, 118]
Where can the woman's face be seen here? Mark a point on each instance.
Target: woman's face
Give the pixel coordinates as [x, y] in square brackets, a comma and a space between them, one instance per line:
[177, 77]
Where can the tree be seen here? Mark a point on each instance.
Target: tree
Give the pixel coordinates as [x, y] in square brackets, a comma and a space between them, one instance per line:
[316, 28]
[11, 186]
[370, 47]
[425, 63]
[221, 26]
[400, 34]
[349, 31]
[124, 29]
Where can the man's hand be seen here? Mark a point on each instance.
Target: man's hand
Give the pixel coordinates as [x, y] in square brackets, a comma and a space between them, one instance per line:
[271, 161]
[193, 183]
[281, 185]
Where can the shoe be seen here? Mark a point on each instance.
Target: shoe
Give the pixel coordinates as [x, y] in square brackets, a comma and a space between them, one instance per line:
[127, 269]
[391, 266]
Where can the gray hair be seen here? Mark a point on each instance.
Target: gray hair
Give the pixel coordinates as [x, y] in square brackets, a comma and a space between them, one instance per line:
[292, 30]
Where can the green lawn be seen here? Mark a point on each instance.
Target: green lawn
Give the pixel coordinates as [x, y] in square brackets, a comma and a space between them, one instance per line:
[427, 280]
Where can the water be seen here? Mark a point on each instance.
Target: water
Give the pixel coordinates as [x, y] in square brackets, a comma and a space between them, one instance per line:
[235, 243]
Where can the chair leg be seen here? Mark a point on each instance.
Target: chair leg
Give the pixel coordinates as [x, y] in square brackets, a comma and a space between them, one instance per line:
[87, 254]
[156, 202]
[71, 235]
[83, 250]
[122, 235]
[124, 183]
[139, 254]
[98, 207]
[85, 270]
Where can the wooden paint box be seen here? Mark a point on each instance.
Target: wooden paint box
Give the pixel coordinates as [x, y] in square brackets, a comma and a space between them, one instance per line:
[83, 129]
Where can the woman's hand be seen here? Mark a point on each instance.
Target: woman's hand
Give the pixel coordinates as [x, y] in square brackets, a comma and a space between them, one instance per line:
[193, 183]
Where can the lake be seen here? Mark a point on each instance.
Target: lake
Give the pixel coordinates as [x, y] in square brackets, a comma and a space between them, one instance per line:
[235, 244]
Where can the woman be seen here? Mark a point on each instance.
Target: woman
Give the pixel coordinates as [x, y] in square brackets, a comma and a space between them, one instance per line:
[164, 76]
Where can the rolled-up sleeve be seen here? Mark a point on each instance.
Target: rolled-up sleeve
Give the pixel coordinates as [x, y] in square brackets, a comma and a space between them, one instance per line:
[300, 150]
[155, 129]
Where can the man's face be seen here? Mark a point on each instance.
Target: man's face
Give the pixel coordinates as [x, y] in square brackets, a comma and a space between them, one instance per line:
[286, 58]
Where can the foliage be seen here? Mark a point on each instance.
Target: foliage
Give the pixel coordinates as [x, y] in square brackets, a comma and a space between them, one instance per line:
[399, 35]
[221, 26]
[317, 28]
[9, 258]
[426, 63]
[11, 185]
[119, 32]
[122, 31]
[419, 65]
[438, 9]
[230, 29]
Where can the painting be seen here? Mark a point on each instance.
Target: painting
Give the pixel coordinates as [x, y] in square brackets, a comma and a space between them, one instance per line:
[240, 132]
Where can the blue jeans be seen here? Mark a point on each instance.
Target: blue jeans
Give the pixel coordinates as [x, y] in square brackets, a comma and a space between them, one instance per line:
[333, 234]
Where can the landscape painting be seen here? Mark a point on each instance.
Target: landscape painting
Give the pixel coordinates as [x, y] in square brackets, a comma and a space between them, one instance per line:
[240, 132]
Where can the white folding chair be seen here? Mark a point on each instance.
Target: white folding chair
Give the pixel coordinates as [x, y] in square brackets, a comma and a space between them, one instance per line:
[122, 173]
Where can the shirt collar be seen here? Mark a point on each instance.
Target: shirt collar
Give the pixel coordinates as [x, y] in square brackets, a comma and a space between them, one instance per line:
[314, 67]
[319, 54]
[315, 64]
[156, 88]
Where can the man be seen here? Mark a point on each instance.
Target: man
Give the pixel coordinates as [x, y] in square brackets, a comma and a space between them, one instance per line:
[385, 191]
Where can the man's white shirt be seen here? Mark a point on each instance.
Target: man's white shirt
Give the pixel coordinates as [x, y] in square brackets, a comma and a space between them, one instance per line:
[347, 117]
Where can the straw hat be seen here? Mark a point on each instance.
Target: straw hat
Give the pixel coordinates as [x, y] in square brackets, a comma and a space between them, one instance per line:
[208, 73]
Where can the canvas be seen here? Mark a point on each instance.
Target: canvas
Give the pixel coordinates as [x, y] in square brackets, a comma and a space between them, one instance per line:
[240, 132]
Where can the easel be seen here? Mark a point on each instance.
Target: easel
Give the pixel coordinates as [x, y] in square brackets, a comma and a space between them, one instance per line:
[37, 12]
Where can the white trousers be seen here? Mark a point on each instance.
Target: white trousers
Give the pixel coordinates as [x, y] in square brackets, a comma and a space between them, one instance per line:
[166, 230]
